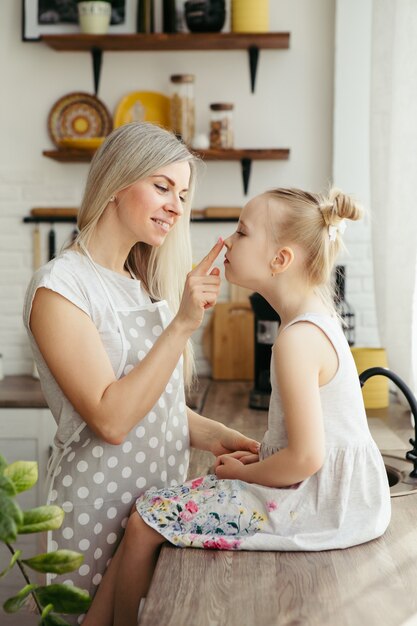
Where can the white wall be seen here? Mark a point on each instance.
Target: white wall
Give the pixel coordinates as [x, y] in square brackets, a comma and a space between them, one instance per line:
[292, 107]
[351, 152]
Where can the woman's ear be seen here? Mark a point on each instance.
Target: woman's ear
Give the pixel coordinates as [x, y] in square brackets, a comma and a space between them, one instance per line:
[281, 261]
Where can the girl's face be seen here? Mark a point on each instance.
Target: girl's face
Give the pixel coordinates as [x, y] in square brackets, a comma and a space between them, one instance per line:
[150, 208]
[249, 251]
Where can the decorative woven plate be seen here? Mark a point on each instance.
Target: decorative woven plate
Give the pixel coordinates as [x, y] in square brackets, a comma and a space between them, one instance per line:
[78, 115]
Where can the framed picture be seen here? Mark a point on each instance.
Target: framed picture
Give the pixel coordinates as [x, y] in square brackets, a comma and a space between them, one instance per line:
[55, 17]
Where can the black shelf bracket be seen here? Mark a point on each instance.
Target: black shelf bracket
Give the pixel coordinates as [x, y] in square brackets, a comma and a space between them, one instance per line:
[246, 169]
[97, 57]
[253, 65]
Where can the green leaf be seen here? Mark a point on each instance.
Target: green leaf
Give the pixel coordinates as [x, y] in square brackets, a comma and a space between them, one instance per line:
[7, 486]
[65, 598]
[40, 519]
[9, 507]
[53, 620]
[58, 562]
[13, 560]
[8, 528]
[3, 464]
[12, 605]
[23, 474]
[48, 608]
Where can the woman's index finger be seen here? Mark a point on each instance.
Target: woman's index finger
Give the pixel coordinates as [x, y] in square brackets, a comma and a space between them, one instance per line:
[203, 268]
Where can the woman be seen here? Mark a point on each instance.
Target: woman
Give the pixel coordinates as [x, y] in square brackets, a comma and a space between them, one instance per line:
[109, 351]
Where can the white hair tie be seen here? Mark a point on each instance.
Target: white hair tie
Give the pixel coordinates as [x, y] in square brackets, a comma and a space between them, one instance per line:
[334, 229]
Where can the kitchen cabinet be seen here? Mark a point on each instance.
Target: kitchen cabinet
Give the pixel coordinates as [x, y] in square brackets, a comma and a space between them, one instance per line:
[252, 42]
[27, 435]
[27, 430]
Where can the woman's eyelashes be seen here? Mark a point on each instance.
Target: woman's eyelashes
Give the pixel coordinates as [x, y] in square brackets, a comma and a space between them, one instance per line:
[165, 189]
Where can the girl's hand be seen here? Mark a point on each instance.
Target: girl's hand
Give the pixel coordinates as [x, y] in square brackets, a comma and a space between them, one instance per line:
[226, 440]
[201, 290]
[243, 456]
[229, 467]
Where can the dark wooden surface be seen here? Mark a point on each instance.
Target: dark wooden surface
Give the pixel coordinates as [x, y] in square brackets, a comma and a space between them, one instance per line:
[25, 392]
[372, 585]
[260, 154]
[80, 42]
[21, 392]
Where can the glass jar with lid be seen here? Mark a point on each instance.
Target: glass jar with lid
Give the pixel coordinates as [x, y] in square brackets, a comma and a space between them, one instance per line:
[221, 125]
[182, 106]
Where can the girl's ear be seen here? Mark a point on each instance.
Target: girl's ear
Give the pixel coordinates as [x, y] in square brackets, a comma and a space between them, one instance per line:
[281, 261]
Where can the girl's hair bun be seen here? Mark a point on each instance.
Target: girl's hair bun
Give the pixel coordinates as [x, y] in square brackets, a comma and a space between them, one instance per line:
[338, 205]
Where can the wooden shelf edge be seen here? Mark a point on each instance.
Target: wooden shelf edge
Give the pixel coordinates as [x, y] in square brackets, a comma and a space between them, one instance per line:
[80, 42]
[256, 154]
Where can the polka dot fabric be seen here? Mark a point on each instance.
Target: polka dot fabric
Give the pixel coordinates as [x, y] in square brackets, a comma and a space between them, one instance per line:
[97, 483]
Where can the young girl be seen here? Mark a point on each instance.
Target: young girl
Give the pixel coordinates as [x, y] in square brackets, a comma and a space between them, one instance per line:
[319, 482]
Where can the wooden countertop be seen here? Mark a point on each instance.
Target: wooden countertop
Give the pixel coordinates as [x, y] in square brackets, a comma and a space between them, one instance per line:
[373, 584]
[21, 392]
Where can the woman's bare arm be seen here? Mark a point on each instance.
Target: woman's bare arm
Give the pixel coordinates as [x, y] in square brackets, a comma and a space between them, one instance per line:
[74, 353]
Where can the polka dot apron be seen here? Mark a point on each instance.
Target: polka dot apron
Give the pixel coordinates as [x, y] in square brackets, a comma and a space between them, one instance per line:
[96, 483]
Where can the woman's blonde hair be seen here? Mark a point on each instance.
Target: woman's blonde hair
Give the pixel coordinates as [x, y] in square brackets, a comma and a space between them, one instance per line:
[313, 221]
[130, 153]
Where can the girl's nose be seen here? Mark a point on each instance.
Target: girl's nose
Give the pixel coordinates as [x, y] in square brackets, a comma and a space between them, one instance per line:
[228, 242]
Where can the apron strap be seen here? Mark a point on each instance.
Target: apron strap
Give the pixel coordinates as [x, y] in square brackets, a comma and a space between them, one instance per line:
[113, 308]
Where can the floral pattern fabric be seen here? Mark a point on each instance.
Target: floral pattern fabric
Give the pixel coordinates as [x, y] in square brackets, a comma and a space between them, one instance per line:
[204, 513]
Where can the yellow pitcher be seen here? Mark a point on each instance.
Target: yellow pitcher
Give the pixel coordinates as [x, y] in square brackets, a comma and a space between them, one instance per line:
[375, 391]
[250, 16]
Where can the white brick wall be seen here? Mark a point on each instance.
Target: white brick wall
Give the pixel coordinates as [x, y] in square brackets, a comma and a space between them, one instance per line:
[292, 107]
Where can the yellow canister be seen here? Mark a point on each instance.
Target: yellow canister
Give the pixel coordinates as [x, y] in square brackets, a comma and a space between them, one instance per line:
[375, 391]
[250, 16]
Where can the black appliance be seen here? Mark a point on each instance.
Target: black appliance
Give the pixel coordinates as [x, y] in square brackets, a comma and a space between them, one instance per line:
[267, 322]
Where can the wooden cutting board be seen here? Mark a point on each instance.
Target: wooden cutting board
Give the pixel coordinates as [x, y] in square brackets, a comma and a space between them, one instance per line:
[233, 341]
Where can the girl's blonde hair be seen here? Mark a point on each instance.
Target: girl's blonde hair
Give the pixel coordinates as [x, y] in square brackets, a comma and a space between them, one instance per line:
[313, 221]
[130, 153]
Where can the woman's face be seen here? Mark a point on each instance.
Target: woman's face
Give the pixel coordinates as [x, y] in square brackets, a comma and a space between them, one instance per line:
[247, 260]
[150, 208]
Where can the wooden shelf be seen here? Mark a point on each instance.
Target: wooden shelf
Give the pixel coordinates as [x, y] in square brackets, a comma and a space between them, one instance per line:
[80, 42]
[244, 155]
[261, 154]
[97, 44]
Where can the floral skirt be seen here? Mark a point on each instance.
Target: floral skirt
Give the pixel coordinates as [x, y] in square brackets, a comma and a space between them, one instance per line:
[209, 513]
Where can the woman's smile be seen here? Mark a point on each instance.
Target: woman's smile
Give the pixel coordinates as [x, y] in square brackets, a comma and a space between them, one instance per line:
[162, 224]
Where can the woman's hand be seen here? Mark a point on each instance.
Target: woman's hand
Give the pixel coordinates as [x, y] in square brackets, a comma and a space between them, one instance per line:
[201, 290]
[225, 440]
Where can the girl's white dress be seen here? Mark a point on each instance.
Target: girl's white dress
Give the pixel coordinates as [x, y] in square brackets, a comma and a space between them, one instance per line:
[347, 502]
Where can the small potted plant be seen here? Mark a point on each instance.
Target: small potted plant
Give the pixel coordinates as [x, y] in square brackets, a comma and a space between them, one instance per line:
[94, 16]
[50, 600]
